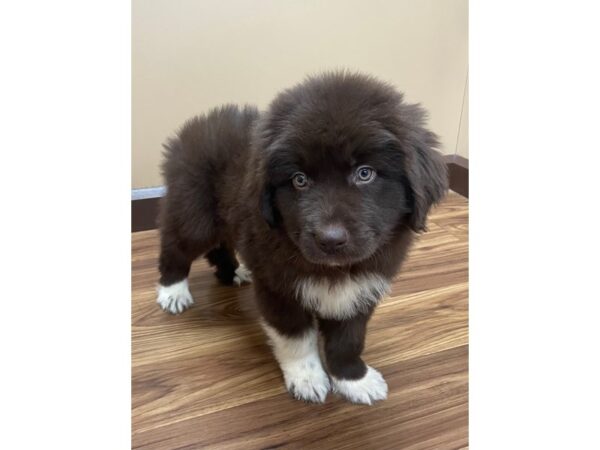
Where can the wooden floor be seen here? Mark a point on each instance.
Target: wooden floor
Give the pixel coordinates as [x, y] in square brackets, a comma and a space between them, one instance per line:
[206, 378]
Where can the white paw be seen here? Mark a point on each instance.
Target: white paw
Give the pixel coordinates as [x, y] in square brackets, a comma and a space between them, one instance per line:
[306, 380]
[175, 298]
[370, 388]
[242, 275]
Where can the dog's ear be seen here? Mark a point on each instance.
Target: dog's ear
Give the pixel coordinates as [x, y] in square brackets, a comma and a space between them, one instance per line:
[427, 176]
[267, 205]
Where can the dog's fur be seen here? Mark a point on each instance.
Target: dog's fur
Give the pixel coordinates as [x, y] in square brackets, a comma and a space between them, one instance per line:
[230, 187]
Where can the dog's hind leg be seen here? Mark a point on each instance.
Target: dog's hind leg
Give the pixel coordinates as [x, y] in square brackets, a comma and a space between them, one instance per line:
[229, 270]
[176, 257]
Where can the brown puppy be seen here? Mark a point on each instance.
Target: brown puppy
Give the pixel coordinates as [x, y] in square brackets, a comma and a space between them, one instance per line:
[321, 196]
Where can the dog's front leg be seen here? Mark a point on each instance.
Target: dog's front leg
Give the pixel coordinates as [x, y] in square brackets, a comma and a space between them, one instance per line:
[350, 376]
[294, 339]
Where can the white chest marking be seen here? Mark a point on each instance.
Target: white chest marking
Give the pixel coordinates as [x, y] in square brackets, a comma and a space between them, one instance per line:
[342, 299]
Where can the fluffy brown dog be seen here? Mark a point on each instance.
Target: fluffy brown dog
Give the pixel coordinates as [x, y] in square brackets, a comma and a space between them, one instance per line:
[321, 196]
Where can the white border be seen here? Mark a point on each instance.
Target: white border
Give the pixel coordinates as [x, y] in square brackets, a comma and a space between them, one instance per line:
[534, 225]
[65, 227]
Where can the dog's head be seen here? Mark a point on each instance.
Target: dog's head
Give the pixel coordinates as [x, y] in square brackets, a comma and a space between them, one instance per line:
[347, 165]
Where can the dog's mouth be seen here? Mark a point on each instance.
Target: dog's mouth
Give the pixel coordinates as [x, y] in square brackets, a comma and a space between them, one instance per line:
[329, 260]
[351, 253]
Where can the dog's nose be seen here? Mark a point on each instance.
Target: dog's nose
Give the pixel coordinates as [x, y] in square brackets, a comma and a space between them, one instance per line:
[331, 238]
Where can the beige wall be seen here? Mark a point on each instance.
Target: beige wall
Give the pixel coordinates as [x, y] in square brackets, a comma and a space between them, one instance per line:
[462, 146]
[191, 55]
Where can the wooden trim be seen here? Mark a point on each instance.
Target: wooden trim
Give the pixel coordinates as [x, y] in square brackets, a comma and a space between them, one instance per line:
[144, 203]
[144, 214]
[457, 159]
[458, 174]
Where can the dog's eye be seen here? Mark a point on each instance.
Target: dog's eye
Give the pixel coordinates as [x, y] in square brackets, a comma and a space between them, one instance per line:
[364, 174]
[299, 180]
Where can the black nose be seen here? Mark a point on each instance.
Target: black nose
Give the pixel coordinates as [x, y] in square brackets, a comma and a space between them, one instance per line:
[331, 238]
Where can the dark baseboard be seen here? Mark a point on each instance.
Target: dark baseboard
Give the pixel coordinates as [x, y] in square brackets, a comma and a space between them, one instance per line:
[458, 174]
[144, 211]
[144, 214]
